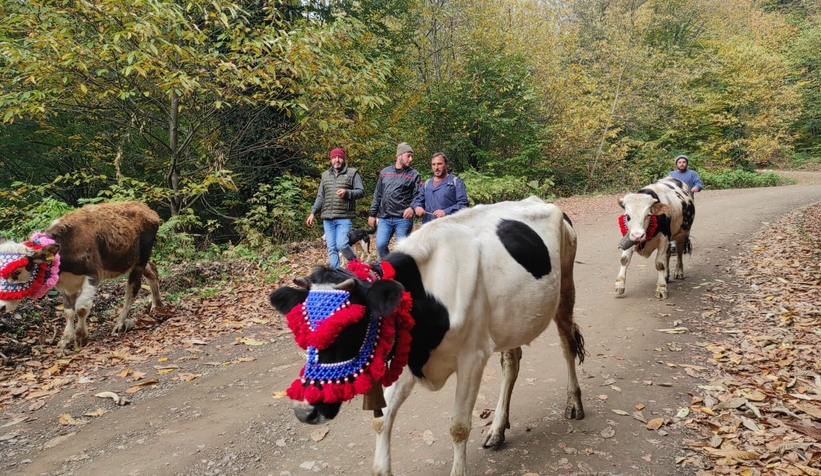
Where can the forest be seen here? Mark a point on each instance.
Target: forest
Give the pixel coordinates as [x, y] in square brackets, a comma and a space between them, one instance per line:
[220, 114]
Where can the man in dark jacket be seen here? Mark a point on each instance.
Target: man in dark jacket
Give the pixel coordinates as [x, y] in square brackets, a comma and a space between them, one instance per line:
[340, 187]
[396, 188]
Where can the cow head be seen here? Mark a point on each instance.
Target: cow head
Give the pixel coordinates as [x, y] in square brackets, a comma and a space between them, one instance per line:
[353, 332]
[638, 208]
[26, 270]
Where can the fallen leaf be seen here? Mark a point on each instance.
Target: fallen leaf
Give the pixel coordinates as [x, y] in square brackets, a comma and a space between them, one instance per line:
[124, 373]
[96, 413]
[66, 419]
[110, 395]
[620, 412]
[427, 437]
[655, 423]
[319, 433]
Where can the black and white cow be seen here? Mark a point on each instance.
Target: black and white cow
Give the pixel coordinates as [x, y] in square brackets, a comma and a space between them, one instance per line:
[660, 213]
[488, 279]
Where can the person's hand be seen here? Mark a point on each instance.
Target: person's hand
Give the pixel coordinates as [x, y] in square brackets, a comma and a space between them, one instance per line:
[310, 220]
[371, 222]
[694, 189]
[340, 193]
[439, 213]
[419, 211]
[408, 213]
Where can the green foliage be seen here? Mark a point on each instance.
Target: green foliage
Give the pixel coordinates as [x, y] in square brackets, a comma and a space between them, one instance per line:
[178, 243]
[275, 215]
[736, 178]
[18, 222]
[491, 189]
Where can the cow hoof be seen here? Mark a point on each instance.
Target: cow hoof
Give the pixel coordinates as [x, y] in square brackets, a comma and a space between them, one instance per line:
[679, 275]
[494, 438]
[661, 293]
[619, 289]
[124, 326]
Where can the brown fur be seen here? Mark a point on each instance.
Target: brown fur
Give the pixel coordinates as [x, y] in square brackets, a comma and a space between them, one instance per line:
[104, 241]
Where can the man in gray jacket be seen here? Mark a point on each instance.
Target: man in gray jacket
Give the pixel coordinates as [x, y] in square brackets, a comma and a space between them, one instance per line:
[335, 200]
[396, 188]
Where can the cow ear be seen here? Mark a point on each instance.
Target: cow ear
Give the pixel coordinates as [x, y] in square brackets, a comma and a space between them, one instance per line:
[285, 298]
[384, 296]
[621, 202]
[659, 209]
[303, 282]
[45, 253]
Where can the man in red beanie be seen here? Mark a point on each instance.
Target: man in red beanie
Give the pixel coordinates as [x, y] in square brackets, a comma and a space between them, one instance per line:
[335, 201]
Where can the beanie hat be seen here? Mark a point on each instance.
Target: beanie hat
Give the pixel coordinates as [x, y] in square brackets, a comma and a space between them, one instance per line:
[338, 151]
[402, 148]
[683, 157]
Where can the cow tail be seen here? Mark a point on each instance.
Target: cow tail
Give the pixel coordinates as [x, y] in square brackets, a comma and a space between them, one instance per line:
[578, 343]
[688, 246]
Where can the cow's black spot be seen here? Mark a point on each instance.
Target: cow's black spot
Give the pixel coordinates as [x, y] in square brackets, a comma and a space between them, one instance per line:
[688, 210]
[653, 194]
[671, 186]
[431, 318]
[525, 246]
[567, 219]
[663, 222]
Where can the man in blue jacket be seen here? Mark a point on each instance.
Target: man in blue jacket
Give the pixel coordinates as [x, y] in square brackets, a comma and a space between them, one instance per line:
[442, 194]
[690, 177]
[396, 188]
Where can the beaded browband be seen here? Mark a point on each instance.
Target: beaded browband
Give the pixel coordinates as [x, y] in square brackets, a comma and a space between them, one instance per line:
[316, 324]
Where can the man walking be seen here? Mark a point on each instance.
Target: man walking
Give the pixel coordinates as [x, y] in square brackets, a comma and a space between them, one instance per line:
[396, 188]
[690, 177]
[442, 194]
[339, 189]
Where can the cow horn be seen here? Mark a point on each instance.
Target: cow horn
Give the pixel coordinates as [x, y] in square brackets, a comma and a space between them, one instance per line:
[303, 282]
[347, 285]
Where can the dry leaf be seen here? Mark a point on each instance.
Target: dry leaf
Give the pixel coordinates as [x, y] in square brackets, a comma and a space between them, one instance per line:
[66, 419]
[319, 433]
[96, 413]
[124, 373]
[655, 423]
[110, 395]
[620, 412]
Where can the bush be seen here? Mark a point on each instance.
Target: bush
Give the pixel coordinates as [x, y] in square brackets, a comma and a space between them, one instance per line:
[736, 178]
[488, 189]
[275, 215]
[19, 220]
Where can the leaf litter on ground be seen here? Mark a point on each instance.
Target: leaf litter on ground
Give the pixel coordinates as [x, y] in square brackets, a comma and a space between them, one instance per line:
[760, 413]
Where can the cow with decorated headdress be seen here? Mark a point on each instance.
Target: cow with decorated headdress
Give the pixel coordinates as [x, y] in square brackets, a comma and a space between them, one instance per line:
[656, 218]
[75, 253]
[488, 279]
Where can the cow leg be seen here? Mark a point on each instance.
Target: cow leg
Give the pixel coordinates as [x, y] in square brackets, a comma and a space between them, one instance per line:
[395, 395]
[663, 267]
[501, 420]
[468, 378]
[68, 311]
[83, 307]
[123, 323]
[625, 262]
[151, 276]
[679, 261]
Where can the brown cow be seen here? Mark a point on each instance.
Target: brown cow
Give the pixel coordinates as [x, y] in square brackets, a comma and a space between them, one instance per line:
[99, 242]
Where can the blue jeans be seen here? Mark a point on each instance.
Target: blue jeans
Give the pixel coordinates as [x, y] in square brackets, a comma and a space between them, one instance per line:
[336, 236]
[386, 229]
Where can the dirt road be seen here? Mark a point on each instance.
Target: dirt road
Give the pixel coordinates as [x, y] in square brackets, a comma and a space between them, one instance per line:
[226, 421]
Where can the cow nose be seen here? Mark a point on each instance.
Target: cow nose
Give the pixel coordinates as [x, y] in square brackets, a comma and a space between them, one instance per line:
[306, 413]
[637, 235]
